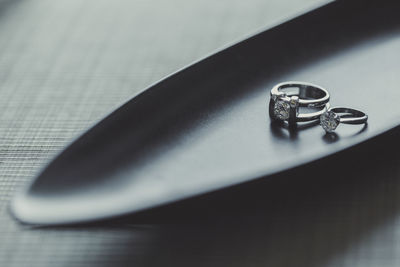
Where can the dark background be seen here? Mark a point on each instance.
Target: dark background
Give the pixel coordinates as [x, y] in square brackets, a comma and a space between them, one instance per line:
[66, 64]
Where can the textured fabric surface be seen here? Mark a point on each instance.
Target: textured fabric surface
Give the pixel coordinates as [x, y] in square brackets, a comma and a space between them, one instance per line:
[66, 64]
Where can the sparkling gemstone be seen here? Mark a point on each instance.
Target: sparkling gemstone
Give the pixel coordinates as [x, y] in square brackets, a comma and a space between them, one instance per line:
[329, 121]
[282, 110]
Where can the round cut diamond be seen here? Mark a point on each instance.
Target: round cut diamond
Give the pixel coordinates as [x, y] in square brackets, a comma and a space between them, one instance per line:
[329, 121]
[282, 110]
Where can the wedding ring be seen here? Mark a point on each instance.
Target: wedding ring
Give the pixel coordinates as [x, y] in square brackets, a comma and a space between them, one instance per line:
[331, 119]
[284, 104]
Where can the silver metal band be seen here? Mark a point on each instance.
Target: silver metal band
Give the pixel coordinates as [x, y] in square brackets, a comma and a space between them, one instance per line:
[350, 116]
[310, 95]
[313, 115]
[285, 105]
[331, 119]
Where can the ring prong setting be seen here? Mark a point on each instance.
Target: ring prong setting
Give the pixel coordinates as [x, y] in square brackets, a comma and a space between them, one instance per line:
[294, 101]
[329, 121]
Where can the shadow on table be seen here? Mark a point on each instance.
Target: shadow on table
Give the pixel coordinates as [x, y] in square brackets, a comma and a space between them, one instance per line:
[308, 216]
[282, 130]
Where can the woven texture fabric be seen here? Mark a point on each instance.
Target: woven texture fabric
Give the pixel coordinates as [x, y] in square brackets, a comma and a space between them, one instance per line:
[66, 64]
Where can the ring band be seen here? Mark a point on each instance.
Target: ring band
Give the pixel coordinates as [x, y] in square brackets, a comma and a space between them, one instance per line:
[285, 105]
[331, 119]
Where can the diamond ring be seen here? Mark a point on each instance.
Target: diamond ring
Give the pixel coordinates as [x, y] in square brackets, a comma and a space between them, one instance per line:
[284, 103]
[334, 116]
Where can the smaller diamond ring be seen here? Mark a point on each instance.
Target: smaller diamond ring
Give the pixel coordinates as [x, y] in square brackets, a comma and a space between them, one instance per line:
[284, 103]
[334, 116]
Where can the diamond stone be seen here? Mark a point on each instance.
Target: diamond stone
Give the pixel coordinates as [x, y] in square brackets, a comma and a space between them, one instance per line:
[282, 110]
[329, 121]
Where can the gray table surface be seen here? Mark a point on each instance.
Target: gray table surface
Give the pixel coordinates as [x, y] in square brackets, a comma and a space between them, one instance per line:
[66, 64]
